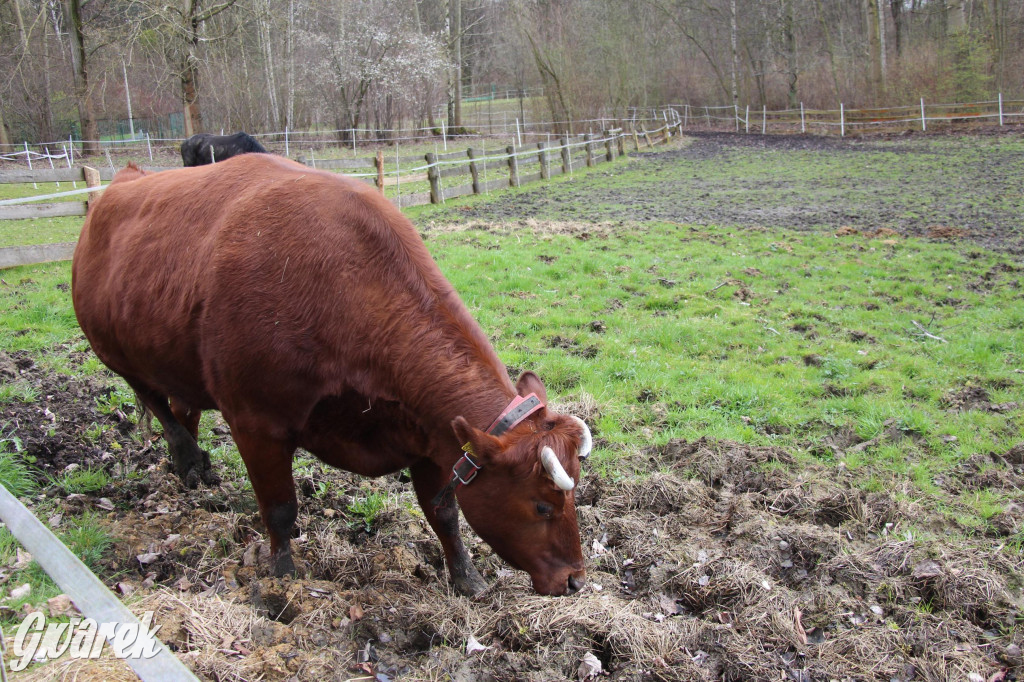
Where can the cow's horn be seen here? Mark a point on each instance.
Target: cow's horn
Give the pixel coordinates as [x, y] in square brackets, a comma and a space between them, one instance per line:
[554, 468]
[586, 443]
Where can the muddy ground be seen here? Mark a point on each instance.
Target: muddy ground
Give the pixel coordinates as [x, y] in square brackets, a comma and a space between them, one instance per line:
[706, 560]
[713, 560]
[824, 197]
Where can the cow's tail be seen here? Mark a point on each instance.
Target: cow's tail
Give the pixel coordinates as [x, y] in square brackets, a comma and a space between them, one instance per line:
[145, 422]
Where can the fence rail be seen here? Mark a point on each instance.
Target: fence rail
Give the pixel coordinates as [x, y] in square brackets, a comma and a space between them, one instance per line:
[475, 170]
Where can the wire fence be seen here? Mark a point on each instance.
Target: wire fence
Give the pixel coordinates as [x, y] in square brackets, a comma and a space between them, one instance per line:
[840, 121]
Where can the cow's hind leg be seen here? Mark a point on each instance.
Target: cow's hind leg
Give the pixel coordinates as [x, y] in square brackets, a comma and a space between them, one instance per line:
[269, 463]
[427, 479]
[191, 464]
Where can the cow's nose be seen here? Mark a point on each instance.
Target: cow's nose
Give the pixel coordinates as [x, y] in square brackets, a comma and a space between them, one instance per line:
[576, 584]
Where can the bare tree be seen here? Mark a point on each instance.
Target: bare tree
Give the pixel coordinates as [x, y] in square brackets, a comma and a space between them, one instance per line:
[83, 90]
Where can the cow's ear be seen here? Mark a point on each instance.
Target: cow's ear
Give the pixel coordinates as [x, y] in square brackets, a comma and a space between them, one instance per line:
[483, 447]
[530, 383]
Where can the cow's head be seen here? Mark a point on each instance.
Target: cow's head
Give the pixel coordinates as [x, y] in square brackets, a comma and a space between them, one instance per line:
[522, 503]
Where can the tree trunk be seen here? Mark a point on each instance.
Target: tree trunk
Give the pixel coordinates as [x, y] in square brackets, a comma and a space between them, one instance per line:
[789, 45]
[875, 77]
[455, 70]
[829, 50]
[263, 21]
[733, 30]
[190, 96]
[5, 137]
[290, 110]
[896, 9]
[83, 94]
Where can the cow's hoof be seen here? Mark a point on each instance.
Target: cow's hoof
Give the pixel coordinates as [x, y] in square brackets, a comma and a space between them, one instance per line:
[191, 479]
[282, 565]
[472, 586]
[200, 472]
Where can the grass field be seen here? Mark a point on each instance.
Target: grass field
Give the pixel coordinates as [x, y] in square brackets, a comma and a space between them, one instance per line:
[889, 362]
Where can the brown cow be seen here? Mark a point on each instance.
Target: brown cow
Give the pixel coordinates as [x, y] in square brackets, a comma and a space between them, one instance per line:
[304, 306]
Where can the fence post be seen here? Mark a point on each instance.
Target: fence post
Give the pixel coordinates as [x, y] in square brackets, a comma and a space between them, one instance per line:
[924, 124]
[566, 155]
[803, 126]
[588, 145]
[647, 137]
[746, 122]
[92, 179]
[513, 166]
[1000, 108]
[473, 170]
[542, 154]
[609, 151]
[686, 113]
[764, 119]
[286, 140]
[434, 177]
[379, 162]
[620, 138]
[636, 140]
[736, 115]
[842, 120]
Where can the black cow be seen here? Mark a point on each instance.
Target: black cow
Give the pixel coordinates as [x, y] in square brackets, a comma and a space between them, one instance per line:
[205, 148]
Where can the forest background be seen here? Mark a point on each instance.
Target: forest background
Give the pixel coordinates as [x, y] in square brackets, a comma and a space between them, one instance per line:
[89, 68]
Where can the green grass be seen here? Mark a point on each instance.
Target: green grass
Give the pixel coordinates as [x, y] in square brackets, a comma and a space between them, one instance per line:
[799, 351]
[365, 510]
[83, 480]
[83, 535]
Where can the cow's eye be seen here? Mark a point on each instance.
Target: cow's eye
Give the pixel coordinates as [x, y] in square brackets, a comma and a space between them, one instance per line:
[544, 509]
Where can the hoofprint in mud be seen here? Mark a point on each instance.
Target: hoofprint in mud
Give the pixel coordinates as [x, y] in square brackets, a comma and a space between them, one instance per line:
[729, 562]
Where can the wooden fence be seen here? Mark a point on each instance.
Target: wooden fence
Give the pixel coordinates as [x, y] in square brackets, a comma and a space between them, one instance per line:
[476, 170]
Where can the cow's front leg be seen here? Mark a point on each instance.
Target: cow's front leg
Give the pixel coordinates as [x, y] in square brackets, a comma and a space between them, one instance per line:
[427, 479]
[269, 463]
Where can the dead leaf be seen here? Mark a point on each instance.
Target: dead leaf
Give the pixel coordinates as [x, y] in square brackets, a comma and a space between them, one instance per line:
[473, 646]
[148, 557]
[589, 668]
[22, 560]
[355, 612]
[927, 569]
[669, 605]
[251, 554]
[125, 588]
[60, 605]
[798, 625]
[105, 504]
[22, 591]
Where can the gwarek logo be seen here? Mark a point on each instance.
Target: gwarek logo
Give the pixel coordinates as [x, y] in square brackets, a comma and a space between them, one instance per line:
[37, 640]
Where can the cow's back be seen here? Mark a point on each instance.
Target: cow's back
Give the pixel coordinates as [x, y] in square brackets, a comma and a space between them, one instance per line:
[221, 284]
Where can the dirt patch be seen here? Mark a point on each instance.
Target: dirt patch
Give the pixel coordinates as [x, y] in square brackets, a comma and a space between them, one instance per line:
[712, 560]
[832, 199]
